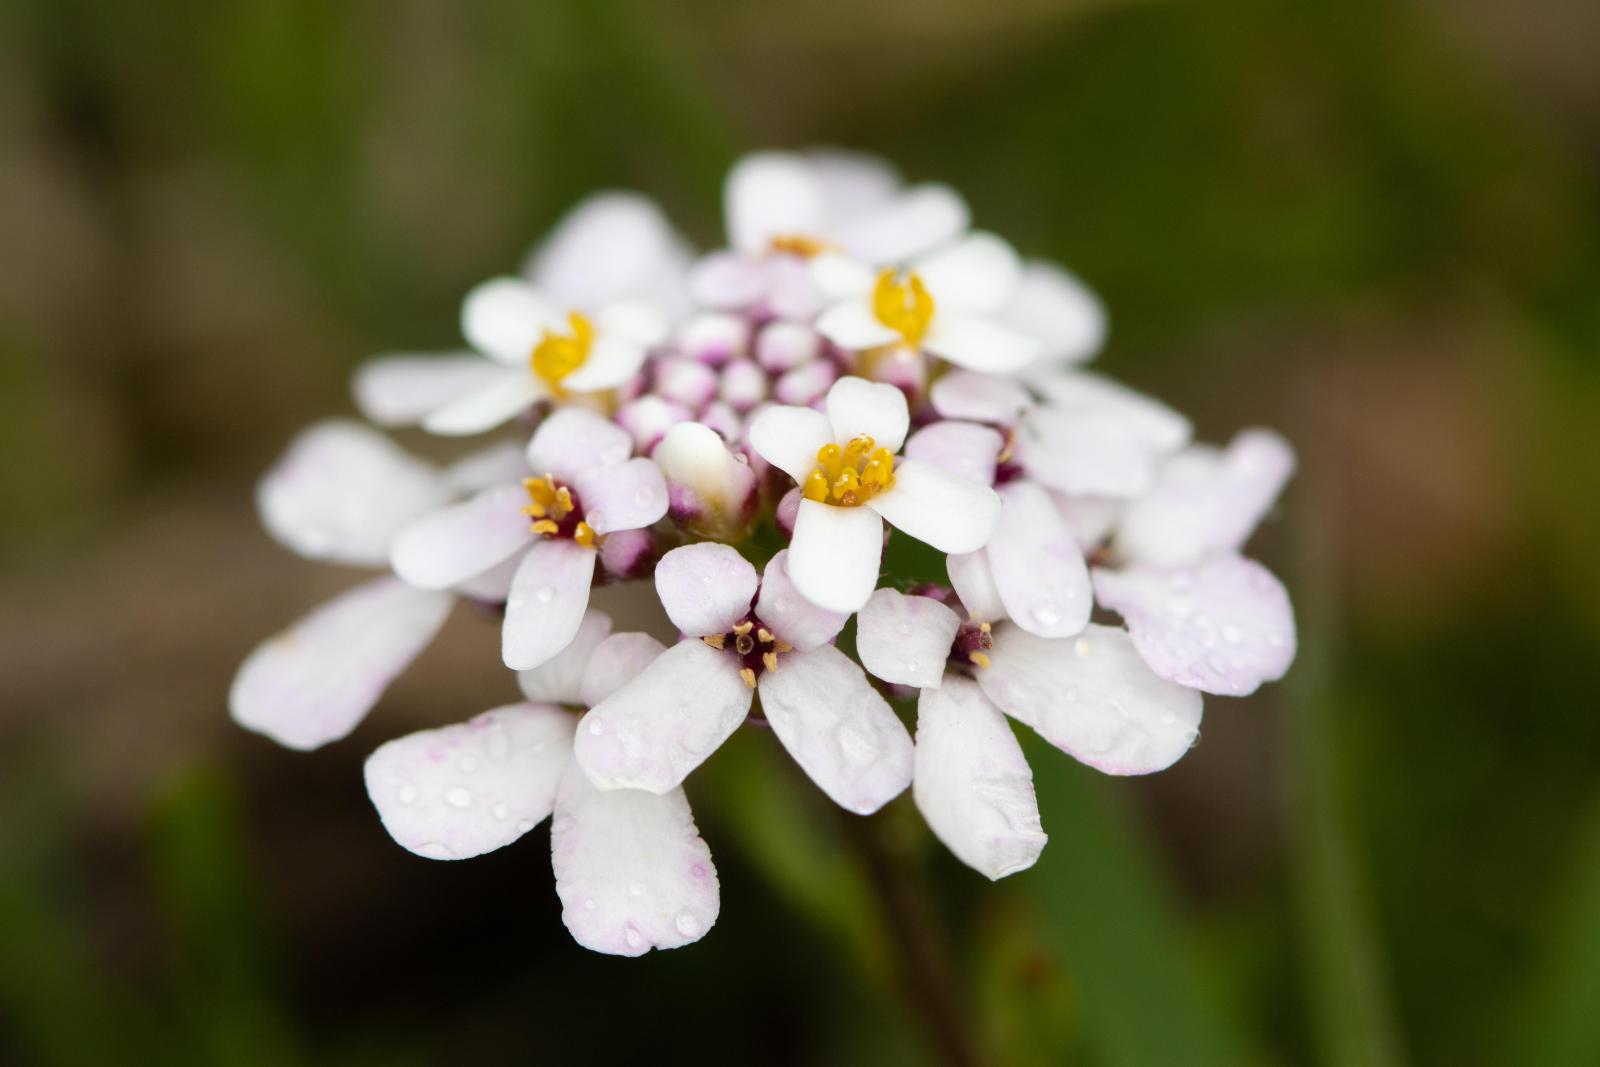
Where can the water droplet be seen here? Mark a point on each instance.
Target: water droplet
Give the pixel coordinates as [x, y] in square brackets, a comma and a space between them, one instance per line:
[596, 727]
[1232, 634]
[500, 811]
[1180, 607]
[1276, 640]
[1215, 665]
[911, 666]
[524, 825]
[636, 889]
[408, 795]
[588, 904]
[857, 747]
[645, 497]
[544, 594]
[594, 518]
[687, 924]
[458, 798]
[634, 938]
[1046, 613]
[698, 871]
[1081, 646]
[467, 764]
[515, 602]
[904, 629]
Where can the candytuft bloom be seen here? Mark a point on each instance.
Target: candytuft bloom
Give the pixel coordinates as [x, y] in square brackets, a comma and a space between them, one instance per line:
[853, 460]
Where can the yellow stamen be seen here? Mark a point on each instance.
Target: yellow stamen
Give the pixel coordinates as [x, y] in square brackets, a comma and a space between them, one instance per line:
[769, 660]
[749, 676]
[979, 658]
[585, 535]
[764, 635]
[742, 628]
[851, 475]
[780, 645]
[905, 307]
[545, 527]
[798, 244]
[558, 355]
[716, 640]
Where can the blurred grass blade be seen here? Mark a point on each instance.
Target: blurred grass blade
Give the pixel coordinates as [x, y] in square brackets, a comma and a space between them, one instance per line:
[1105, 911]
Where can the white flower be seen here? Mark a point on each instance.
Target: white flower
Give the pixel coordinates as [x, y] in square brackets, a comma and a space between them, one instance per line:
[581, 323]
[743, 638]
[340, 493]
[948, 303]
[631, 870]
[844, 462]
[586, 498]
[1201, 614]
[712, 491]
[783, 208]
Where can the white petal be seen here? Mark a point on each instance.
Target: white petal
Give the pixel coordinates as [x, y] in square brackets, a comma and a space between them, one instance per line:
[946, 512]
[398, 390]
[980, 397]
[980, 344]
[548, 598]
[1221, 626]
[504, 318]
[1095, 453]
[631, 869]
[1059, 310]
[790, 437]
[978, 273]
[1090, 518]
[771, 194]
[965, 450]
[572, 440]
[610, 245]
[492, 586]
[839, 277]
[640, 321]
[851, 182]
[342, 491]
[1037, 564]
[656, 729]
[454, 543]
[559, 680]
[619, 660]
[470, 788]
[836, 726]
[790, 615]
[852, 324]
[921, 218]
[1093, 698]
[707, 483]
[705, 588]
[628, 496]
[317, 680]
[856, 407]
[507, 395]
[972, 784]
[834, 555]
[905, 639]
[727, 280]
[496, 464]
[1147, 418]
[612, 360]
[973, 582]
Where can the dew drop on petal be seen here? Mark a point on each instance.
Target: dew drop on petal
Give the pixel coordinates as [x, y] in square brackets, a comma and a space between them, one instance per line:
[687, 924]
[544, 594]
[1081, 646]
[408, 795]
[500, 811]
[467, 764]
[634, 938]
[1232, 634]
[636, 889]
[458, 798]
[1046, 613]
[596, 727]
[524, 825]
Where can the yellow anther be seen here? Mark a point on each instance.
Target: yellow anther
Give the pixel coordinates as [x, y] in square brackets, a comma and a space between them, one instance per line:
[780, 645]
[764, 635]
[545, 527]
[979, 658]
[985, 627]
[557, 355]
[716, 640]
[749, 676]
[585, 535]
[905, 307]
[769, 660]
[742, 628]
[850, 475]
[798, 244]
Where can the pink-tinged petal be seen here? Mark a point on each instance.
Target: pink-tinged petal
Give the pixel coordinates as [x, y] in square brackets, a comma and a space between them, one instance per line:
[1037, 564]
[1205, 500]
[905, 639]
[857, 407]
[656, 729]
[470, 788]
[973, 581]
[791, 616]
[851, 182]
[687, 381]
[342, 491]
[712, 337]
[493, 586]
[841, 277]
[787, 511]
[399, 389]
[742, 384]
[769, 195]
[710, 488]
[1148, 420]
[806, 385]
[791, 294]
[454, 543]
[1095, 453]
[852, 324]
[317, 680]
[504, 318]
[836, 726]
[627, 555]
[834, 555]
[548, 598]
[511, 392]
[637, 320]
[992, 398]
[560, 680]
[977, 273]
[631, 870]
[612, 360]
[726, 281]
[619, 660]
[963, 449]
[628, 496]
[610, 245]
[647, 420]
[1058, 309]
[972, 783]
[1221, 626]
[980, 344]
[496, 464]
[1090, 518]
[790, 437]
[918, 219]
[705, 588]
[1092, 697]
[949, 513]
[783, 346]
[571, 441]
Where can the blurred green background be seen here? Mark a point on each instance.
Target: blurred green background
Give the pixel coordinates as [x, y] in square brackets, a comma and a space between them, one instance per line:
[1372, 224]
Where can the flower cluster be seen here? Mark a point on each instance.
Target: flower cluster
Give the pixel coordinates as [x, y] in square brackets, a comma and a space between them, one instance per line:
[742, 434]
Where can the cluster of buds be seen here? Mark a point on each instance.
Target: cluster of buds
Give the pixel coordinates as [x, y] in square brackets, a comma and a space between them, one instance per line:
[739, 435]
